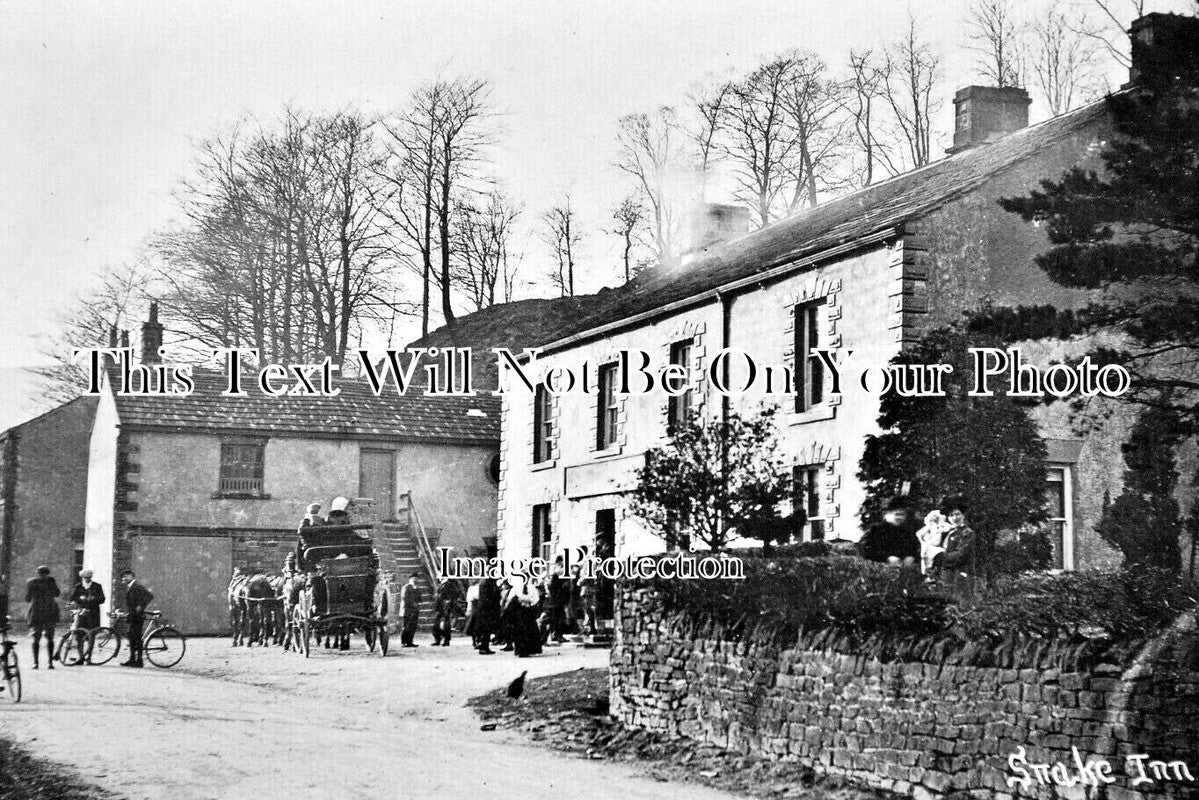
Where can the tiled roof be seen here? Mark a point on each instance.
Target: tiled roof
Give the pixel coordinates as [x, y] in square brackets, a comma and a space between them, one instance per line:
[835, 223]
[355, 412]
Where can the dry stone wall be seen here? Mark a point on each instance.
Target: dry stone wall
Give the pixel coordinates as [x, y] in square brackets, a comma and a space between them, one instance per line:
[928, 730]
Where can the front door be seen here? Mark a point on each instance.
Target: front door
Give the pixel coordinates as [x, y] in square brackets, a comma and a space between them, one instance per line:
[376, 479]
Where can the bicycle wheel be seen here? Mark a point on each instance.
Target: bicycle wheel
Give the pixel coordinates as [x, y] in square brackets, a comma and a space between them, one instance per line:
[103, 645]
[12, 676]
[68, 652]
[165, 647]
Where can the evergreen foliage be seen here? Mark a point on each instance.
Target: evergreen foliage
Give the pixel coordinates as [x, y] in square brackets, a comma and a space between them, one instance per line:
[984, 449]
[713, 478]
[1129, 234]
[1143, 522]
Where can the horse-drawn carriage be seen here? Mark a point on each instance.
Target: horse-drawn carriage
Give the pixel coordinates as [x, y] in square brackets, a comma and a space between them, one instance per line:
[343, 592]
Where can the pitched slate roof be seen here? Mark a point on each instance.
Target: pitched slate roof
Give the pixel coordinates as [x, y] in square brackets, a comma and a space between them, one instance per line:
[355, 412]
[515, 325]
[839, 222]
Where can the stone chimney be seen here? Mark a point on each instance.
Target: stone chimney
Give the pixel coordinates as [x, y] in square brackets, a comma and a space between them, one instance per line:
[112, 337]
[986, 113]
[713, 223]
[124, 339]
[151, 336]
[1164, 46]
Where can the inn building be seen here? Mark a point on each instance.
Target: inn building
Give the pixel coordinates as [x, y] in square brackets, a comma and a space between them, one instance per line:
[869, 272]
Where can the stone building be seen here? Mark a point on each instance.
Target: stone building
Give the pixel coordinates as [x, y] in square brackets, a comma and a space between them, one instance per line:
[43, 494]
[184, 488]
[867, 273]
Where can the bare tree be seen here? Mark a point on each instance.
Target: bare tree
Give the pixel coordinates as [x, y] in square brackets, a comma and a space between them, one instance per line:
[650, 152]
[710, 106]
[629, 216]
[561, 233]
[1063, 62]
[864, 102]
[759, 138]
[996, 36]
[282, 249]
[814, 103]
[913, 70]
[783, 134]
[115, 304]
[482, 242]
[1109, 31]
[349, 164]
[462, 137]
[437, 145]
[412, 171]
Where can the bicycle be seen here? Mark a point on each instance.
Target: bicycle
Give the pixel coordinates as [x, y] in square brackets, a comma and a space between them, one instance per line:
[9, 666]
[162, 645]
[71, 647]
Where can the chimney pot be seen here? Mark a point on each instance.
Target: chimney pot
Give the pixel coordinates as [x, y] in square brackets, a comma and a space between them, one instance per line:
[151, 336]
[1165, 48]
[984, 114]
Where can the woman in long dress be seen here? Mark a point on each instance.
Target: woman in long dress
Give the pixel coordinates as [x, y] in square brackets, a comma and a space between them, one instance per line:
[526, 636]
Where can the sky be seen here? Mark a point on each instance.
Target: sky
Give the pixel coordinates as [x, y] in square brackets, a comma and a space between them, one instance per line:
[101, 104]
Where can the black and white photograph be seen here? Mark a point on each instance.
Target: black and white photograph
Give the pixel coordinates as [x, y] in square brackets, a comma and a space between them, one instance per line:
[782, 399]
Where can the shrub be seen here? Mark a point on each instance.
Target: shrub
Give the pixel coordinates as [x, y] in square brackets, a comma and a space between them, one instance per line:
[1119, 606]
[812, 592]
[1028, 549]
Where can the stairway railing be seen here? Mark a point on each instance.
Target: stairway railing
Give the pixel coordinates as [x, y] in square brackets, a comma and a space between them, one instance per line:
[424, 547]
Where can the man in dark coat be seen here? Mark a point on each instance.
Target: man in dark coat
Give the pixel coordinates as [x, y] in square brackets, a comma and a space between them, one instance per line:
[137, 597]
[410, 597]
[894, 540]
[484, 616]
[43, 612]
[446, 605]
[88, 596]
[557, 598]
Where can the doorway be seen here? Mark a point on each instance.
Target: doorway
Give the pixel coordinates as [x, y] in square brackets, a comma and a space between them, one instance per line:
[605, 547]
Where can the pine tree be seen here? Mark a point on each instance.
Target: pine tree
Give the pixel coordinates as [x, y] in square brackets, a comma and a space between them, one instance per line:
[984, 449]
[1143, 522]
[1131, 235]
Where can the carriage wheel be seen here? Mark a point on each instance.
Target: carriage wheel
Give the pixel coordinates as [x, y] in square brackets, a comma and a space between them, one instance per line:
[383, 637]
[369, 633]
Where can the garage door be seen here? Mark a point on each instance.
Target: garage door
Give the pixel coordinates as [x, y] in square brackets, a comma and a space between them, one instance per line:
[189, 576]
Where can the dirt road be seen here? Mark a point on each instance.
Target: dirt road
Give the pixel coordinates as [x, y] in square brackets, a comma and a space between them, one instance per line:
[261, 724]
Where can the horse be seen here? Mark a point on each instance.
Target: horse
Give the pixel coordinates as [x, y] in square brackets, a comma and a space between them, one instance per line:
[274, 613]
[237, 607]
[256, 594]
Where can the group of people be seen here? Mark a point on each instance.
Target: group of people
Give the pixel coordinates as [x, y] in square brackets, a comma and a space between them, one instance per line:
[42, 593]
[516, 614]
[522, 615]
[943, 549]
